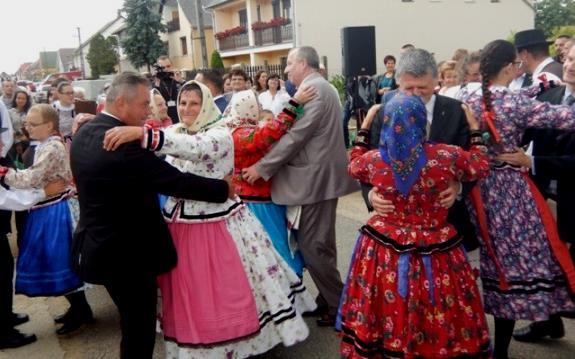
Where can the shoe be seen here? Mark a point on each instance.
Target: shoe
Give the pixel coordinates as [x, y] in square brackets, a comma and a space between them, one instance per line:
[19, 318]
[539, 330]
[75, 321]
[14, 339]
[326, 320]
[62, 318]
[317, 312]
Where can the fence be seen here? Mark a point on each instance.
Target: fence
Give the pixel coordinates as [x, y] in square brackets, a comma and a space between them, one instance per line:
[251, 71]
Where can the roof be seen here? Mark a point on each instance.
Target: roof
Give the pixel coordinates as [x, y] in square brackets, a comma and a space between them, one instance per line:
[66, 55]
[189, 9]
[102, 29]
[208, 4]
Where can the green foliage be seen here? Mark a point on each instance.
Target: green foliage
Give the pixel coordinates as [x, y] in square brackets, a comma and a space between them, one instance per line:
[338, 81]
[216, 60]
[102, 56]
[142, 42]
[551, 14]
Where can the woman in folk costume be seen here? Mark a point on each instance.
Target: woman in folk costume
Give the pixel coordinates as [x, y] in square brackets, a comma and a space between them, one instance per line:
[252, 140]
[526, 270]
[410, 291]
[230, 295]
[44, 265]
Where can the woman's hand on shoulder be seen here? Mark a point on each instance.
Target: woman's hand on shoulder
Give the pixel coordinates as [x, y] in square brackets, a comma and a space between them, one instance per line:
[366, 124]
[471, 120]
[121, 134]
[304, 94]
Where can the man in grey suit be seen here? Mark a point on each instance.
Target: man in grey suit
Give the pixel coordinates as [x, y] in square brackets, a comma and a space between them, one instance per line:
[308, 168]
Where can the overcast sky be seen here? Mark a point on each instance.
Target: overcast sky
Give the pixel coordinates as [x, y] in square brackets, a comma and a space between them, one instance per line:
[31, 26]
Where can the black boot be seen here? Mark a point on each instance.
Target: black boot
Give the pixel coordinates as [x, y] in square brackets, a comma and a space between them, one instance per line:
[77, 315]
[539, 330]
[12, 338]
[503, 333]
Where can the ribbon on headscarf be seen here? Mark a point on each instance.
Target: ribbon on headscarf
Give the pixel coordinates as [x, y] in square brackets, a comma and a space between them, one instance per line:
[402, 137]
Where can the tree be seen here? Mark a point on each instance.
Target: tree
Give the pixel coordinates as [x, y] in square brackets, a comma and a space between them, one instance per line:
[102, 56]
[550, 14]
[216, 60]
[142, 42]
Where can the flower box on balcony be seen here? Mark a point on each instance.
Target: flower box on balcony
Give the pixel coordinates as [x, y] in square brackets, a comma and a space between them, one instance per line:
[275, 22]
[238, 30]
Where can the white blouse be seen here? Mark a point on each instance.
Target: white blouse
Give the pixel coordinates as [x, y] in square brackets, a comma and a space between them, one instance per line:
[275, 103]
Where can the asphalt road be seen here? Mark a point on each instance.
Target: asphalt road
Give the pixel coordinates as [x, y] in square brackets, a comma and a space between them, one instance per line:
[102, 339]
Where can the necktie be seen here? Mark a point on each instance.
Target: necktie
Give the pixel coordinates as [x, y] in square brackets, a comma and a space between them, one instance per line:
[569, 100]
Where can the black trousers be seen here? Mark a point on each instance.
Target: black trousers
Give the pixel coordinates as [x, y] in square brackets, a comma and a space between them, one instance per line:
[6, 284]
[136, 299]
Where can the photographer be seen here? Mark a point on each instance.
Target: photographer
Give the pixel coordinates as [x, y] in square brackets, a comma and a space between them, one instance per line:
[168, 82]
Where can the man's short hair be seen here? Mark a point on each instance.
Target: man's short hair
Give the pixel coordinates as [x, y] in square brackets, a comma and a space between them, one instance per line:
[563, 36]
[239, 72]
[308, 54]
[214, 77]
[125, 84]
[416, 62]
[407, 47]
[537, 51]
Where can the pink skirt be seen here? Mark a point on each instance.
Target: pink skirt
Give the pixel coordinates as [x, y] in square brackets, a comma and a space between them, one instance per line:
[206, 298]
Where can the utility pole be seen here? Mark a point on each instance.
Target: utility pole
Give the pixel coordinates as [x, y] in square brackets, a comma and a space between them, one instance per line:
[81, 54]
[201, 34]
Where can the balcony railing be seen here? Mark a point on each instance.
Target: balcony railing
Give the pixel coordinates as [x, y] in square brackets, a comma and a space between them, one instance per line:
[234, 42]
[274, 35]
[173, 25]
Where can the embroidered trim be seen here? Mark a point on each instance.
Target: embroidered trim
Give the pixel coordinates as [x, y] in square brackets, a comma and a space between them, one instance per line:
[389, 242]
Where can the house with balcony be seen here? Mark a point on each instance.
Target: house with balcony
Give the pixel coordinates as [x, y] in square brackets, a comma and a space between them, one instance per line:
[254, 32]
[182, 38]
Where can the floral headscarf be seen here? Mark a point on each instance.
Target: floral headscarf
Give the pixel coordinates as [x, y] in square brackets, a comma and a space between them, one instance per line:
[402, 137]
[209, 115]
[243, 110]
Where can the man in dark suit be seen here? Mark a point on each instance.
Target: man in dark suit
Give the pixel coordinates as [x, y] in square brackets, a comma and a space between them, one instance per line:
[122, 240]
[553, 160]
[416, 73]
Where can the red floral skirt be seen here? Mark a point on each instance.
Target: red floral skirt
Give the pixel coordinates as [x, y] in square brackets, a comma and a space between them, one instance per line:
[411, 305]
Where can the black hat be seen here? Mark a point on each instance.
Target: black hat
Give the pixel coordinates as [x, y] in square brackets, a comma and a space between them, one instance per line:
[530, 38]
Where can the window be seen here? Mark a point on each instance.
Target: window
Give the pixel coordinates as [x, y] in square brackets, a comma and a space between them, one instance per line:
[276, 8]
[243, 15]
[286, 6]
[184, 44]
[175, 15]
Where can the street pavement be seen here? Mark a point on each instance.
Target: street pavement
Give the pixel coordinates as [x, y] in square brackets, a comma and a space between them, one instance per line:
[102, 339]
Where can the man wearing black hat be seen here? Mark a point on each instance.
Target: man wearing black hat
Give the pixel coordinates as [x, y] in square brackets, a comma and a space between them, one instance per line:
[533, 50]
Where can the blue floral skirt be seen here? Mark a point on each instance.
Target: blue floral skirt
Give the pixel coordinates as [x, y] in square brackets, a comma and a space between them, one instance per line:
[44, 265]
[273, 218]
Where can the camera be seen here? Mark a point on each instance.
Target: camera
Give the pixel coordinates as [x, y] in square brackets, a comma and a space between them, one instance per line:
[161, 73]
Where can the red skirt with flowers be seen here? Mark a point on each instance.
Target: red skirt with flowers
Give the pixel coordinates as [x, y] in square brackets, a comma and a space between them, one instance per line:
[410, 302]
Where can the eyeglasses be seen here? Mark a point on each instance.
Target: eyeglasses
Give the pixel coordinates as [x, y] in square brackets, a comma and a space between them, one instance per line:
[67, 93]
[34, 125]
[518, 64]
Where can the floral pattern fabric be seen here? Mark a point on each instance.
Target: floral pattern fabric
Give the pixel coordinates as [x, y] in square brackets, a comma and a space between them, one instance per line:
[50, 164]
[537, 286]
[410, 290]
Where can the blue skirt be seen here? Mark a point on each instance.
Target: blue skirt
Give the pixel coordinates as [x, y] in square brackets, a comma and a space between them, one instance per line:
[44, 263]
[273, 218]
